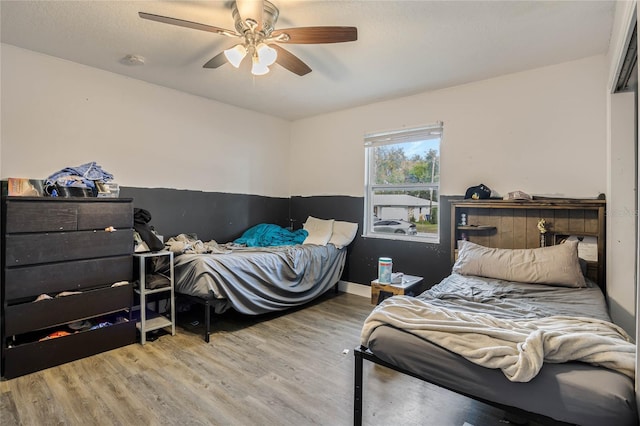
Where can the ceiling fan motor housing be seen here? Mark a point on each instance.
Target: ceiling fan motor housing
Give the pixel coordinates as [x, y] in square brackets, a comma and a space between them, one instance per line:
[269, 19]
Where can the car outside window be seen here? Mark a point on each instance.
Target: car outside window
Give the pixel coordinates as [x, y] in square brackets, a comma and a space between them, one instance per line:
[403, 183]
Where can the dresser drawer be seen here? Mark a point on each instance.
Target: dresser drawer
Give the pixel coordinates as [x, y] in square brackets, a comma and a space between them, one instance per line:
[33, 249]
[32, 316]
[52, 278]
[51, 215]
[30, 357]
[40, 216]
[101, 215]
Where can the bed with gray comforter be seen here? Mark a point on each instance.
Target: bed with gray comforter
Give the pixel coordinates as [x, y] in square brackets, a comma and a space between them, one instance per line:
[543, 350]
[257, 280]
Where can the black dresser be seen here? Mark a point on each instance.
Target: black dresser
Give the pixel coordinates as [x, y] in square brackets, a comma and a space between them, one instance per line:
[69, 253]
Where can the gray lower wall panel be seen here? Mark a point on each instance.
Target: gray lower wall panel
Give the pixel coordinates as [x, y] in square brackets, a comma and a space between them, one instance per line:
[210, 215]
[223, 217]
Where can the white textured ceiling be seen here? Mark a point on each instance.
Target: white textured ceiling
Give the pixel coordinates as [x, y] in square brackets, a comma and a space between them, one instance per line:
[403, 47]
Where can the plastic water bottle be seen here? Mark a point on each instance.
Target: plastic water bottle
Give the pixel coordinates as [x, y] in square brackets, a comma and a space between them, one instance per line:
[385, 267]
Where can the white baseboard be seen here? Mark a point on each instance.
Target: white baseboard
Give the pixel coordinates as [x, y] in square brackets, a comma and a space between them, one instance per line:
[355, 288]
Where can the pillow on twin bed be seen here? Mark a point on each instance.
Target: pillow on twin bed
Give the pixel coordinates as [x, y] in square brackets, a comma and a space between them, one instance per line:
[343, 233]
[320, 230]
[555, 265]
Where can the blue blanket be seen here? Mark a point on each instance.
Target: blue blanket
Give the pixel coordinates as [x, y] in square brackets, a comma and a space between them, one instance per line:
[265, 234]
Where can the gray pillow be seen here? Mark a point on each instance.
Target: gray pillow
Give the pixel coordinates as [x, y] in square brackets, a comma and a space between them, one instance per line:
[555, 265]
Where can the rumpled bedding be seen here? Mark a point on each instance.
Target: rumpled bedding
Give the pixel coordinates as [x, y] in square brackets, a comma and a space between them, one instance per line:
[511, 326]
[189, 243]
[256, 280]
[267, 234]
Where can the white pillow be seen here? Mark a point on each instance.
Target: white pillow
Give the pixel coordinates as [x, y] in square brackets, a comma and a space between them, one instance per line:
[319, 230]
[554, 265]
[343, 233]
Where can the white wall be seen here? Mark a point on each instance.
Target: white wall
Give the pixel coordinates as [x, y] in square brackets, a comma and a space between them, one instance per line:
[621, 179]
[622, 231]
[57, 113]
[621, 211]
[542, 131]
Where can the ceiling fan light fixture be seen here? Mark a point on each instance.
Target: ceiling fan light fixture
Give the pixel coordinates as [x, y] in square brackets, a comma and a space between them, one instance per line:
[236, 54]
[258, 68]
[266, 54]
[255, 26]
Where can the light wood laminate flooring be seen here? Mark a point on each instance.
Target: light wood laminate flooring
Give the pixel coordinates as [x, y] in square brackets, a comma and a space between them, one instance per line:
[284, 369]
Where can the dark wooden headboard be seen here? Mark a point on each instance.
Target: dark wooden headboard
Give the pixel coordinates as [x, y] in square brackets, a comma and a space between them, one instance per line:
[514, 224]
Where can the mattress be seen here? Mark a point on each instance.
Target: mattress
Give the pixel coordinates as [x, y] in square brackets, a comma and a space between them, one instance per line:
[571, 392]
[261, 279]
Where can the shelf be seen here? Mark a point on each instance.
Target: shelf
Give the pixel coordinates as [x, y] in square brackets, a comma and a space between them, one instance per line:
[573, 234]
[154, 291]
[146, 254]
[155, 323]
[154, 320]
[475, 227]
[546, 203]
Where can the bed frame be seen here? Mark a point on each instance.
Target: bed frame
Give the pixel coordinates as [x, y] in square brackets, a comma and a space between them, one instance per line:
[208, 304]
[361, 353]
[510, 224]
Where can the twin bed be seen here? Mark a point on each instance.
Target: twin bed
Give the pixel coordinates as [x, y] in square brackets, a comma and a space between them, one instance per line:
[520, 329]
[268, 269]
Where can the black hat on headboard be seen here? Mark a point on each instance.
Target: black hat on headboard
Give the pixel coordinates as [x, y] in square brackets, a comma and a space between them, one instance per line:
[480, 192]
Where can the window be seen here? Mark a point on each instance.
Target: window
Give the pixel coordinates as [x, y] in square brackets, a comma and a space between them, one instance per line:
[403, 184]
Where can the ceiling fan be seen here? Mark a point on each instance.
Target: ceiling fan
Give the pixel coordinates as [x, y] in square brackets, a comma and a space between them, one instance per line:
[255, 25]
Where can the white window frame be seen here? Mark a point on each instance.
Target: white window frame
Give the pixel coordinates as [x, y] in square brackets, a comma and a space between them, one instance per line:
[429, 132]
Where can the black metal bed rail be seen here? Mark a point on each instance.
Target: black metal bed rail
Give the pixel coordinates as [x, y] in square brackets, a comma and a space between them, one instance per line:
[361, 353]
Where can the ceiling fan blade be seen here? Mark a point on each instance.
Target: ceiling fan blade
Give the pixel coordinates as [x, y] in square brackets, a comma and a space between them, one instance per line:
[290, 61]
[251, 9]
[316, 35]
[187, 24]
[216, 61]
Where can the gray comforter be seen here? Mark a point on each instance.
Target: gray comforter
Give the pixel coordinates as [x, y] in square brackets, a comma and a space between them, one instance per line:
[572, 392]
[511, 300]
[259, 280]
[511, 326]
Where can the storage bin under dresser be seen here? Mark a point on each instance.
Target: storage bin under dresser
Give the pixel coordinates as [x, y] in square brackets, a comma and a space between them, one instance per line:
[55, 245]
